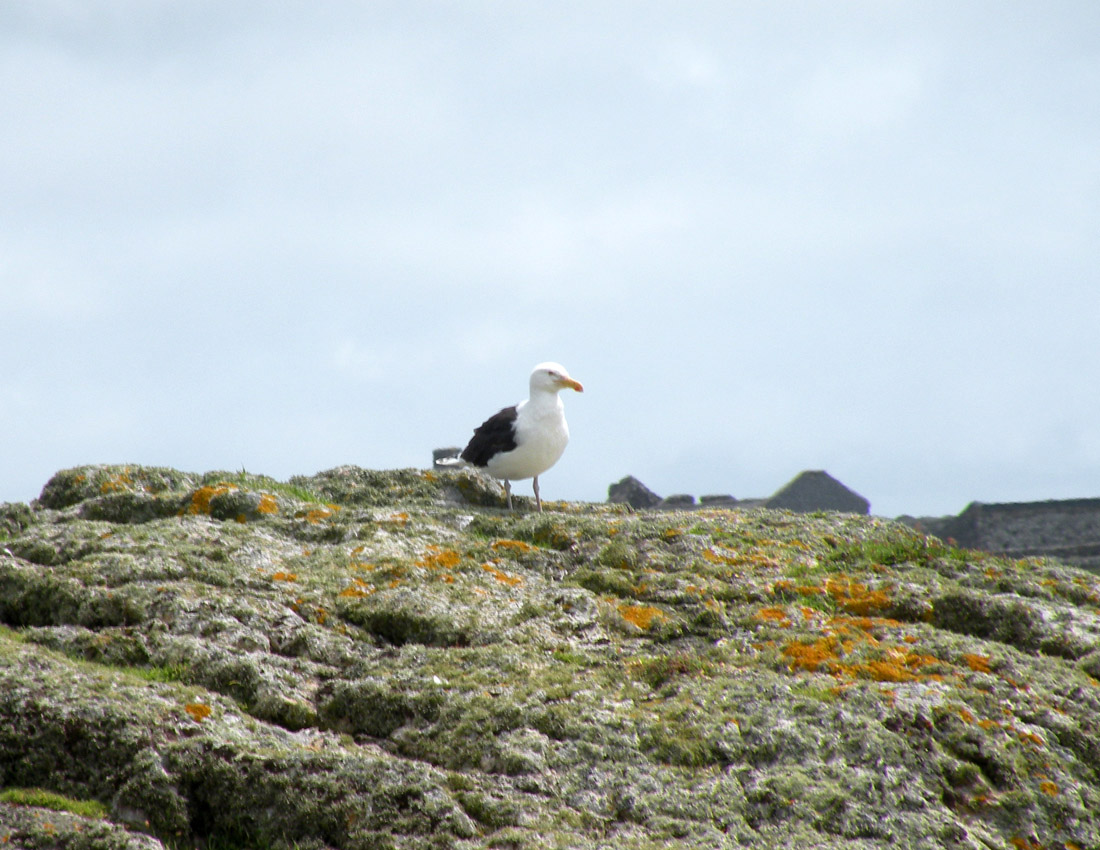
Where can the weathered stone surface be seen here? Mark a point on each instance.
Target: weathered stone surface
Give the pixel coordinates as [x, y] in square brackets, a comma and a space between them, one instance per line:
[365, 659]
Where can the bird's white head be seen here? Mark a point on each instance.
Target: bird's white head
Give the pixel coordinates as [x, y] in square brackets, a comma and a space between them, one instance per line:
[551, 377]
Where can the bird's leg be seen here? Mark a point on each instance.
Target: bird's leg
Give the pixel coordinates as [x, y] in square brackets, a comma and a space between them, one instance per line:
[538, 501]
[508, 491]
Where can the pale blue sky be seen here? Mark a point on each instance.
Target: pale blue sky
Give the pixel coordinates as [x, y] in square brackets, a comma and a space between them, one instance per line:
[854, 236]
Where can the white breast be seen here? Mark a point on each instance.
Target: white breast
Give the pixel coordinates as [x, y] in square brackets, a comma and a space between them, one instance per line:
[541, 437]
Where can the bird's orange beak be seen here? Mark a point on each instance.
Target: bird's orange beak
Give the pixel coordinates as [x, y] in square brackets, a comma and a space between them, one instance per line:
[574, 385]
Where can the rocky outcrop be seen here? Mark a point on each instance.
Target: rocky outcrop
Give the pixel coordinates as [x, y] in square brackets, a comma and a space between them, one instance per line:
[365, 659]
[813, 490]
[817, 490]
[631, 491]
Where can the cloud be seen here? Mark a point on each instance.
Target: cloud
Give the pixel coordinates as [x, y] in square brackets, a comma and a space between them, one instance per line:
[769, 236]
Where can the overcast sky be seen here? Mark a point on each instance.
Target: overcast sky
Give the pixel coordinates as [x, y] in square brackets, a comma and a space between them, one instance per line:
[768, 236]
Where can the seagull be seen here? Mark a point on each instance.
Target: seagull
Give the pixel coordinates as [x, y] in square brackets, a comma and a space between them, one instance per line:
[525, 440]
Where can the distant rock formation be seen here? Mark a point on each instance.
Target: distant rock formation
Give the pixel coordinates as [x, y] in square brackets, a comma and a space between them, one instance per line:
[817, 490]
[813, 490]
[632, 492]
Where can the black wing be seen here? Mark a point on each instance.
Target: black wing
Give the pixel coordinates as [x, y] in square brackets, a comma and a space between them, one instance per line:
[495, 435]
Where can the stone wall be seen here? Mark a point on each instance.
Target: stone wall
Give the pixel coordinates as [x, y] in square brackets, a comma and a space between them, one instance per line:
[1068, 529]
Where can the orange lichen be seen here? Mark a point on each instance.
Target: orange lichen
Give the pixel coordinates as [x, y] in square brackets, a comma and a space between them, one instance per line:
[977, 663]
[779, 616]
[812, 656]
[358, 589]
[201, 498]
[316, 515]
[837, 653]
[122, 481]
[281, 576]
[268, 504]
[884, 671]
[1049, 788]
[855, 597]
[501, 576]
[1031, 738]
[714, 557]
[437, 558]
[198, 711]
[642, 616]
[512, 546]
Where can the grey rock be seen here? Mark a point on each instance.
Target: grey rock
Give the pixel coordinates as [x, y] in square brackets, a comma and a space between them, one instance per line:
[632, 492]
[816, 490]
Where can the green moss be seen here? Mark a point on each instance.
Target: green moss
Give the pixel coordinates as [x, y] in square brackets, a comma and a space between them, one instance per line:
[15, 517]
[377, 709]
[163, 673]
[605, 581]
[618, 554]
[658, 671]
[900, 547]
[828, 694]
[552, 532]
[681, 745]
[584, 677]
[564, 655]
[353, 486]
[399, 624]
[492, 813]
[57, 802]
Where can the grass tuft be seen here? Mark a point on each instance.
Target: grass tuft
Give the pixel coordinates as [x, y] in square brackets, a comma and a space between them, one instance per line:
[43, 799]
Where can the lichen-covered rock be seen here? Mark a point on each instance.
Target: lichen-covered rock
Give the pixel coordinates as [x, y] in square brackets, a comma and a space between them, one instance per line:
[365, 659]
